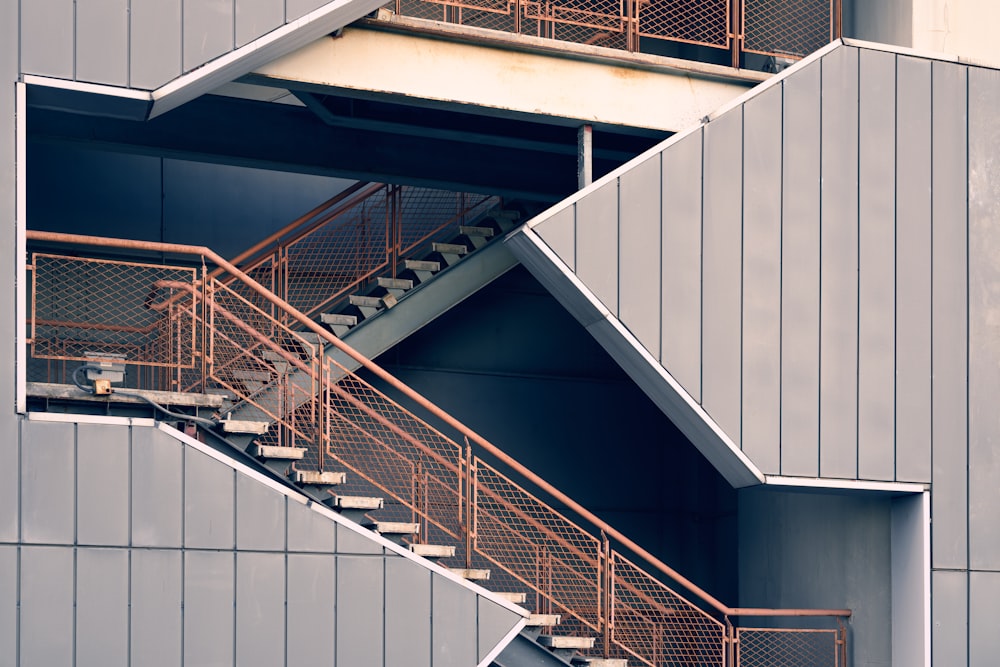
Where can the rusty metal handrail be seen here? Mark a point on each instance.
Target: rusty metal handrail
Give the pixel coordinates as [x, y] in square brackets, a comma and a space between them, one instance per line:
[433, 409]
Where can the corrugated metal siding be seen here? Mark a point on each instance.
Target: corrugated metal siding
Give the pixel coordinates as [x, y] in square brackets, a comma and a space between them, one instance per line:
[214, 590]
[794, 288]
[142, 44]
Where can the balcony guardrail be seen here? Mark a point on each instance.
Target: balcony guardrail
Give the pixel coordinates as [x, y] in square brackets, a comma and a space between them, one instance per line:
[187, 327]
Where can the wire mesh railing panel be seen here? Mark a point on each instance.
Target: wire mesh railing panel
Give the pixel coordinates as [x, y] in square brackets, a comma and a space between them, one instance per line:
[336, 256]
[787, 27]
[656, 625]
[706, 23]
[593, 22]
[425, 213]
[83, 307]
[542, 548]
[768, 647]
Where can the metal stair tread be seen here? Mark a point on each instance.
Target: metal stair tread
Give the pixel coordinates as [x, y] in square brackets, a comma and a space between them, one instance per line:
[475, 231]
[365, 301]
[450, 248]
[422, 265]
[566, 642]
[472, 574]
[258, 376]
[433, 550]
[393, 527]
[339, 318]
[357, 502]
[516, 598]
[395, 283]
[602, 662]
[543, 620]
[244, 426]
[317, 478]
[276, 452]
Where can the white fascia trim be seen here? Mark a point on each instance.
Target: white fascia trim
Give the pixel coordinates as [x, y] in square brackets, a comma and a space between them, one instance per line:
[502, 644]
[92, 88]
[630, 338]
[926, 555]
[844, 484]
[67, 418]
[21, 250]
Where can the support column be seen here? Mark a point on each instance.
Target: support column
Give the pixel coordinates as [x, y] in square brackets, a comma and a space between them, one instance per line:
[585, 156]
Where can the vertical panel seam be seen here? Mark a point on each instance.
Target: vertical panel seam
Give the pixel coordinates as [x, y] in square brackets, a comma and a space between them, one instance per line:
[968, 350]
[128, 43]
[128, 537]
[701, 280]
[742, 277]
[75, 40]
[857, 286]
[895, 275]
[659, 306]
[781, 273]
[819, 284]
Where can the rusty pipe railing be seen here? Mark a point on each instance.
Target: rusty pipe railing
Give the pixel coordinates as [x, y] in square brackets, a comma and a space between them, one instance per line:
[496, 519]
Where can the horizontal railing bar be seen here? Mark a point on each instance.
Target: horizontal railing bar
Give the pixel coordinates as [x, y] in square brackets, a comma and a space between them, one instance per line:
[423, 402]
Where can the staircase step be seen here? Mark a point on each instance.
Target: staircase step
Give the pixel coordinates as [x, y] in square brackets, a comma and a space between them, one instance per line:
[244, 427]
[450, 248]
[475, 231]
[274, 452]
[516, 598]
[422, 265]
[433, 550]
[471, 574]
[543, 620]
[395, 283]
[277, 360]
[357, 503]
[338, 318]
[600, 662]
[561, 642]
[365, 301]
[393, 527]
[316, 478]
[255, 376]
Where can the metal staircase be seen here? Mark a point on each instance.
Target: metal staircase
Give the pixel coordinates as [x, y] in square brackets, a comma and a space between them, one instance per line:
[203, 325]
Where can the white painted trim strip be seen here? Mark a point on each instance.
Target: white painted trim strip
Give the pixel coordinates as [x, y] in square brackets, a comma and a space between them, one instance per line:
[21, 249]
[67, 418]
[926, 502]
[502, 644]
[92, 88]
[630, 338]
[844, 484]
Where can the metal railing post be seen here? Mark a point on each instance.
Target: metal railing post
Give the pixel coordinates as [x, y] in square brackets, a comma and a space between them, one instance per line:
[605, 596]
[736, 8]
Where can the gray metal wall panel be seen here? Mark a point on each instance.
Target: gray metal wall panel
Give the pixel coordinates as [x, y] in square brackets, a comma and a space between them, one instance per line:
[309, 531]
[984, 609]
[8, 606]
[9, 73]
[102, 607]
[494, 622]
[10, 486]
[454, 635]
[102, 42]
[209, 496]
[913, 272]
[681, 264]
[209, 623]
[260, 516]
[351, 542]
[761, 374]
[559, 233]
[639, 239]
[800, 274]
[597, 243]
[297, 8]
[876, 265]
[311, 594]
[157, 467]
[102, 473]
[47, 49]
[407, 613]
[722, 271]
[155, 622]
[950, 311]
[46, 629]
[155, 44]
[208, 31]
[260, 609]
[984, 313]
[255, 18]
[949, 618]
[360, 596]
[838, 267]
[47, 483]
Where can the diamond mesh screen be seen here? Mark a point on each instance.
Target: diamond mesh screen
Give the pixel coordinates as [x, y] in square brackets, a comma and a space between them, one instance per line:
[704, 23]
[787, 27]
[762, 647]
